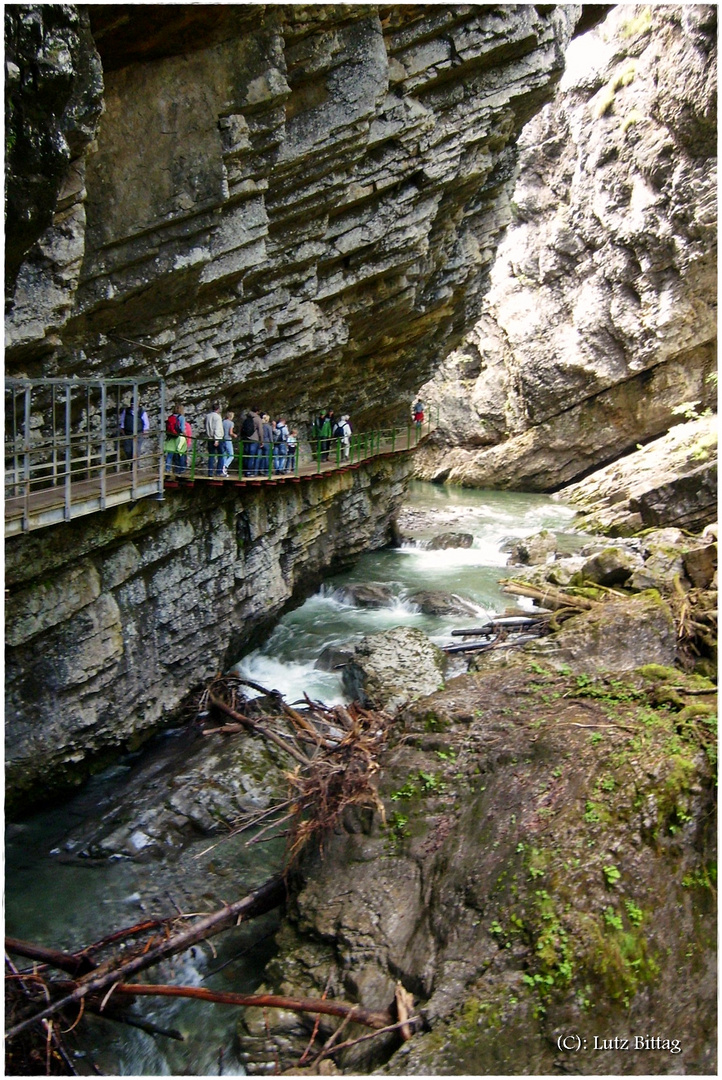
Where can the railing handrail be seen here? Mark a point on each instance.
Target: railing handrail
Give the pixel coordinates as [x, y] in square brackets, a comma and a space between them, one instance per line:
[102, 459]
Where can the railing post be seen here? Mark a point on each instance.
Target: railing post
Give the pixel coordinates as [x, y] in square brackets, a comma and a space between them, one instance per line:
[16, 457]
[134, 463]
[54, 437]
[103, 452]
[68, 415]
[26, 457]
[161, 437]
[393, 439]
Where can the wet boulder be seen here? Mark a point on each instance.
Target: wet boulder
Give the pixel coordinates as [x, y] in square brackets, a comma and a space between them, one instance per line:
[621, 634]
[612, 566]
[371, 595]
[331, 658]
[700, 565]
[533, 550]
[396, 666]
[436, 602]
[450, 540]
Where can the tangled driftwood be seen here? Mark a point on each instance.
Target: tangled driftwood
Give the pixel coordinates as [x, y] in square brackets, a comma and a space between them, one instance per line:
[334, 755]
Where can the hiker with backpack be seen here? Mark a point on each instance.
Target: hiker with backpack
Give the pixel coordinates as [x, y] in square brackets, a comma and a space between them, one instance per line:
[265, 448]
[175, 446]
[417, 411]
[291, 447]
[127, 424]
[342, 431]
[214, 433]
[280, 446]
[252, 435]
[325, 435]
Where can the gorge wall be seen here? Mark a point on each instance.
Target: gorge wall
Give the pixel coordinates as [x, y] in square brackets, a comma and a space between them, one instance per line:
[293, 204]
[111, 620]
[286, 204]
[599, 330]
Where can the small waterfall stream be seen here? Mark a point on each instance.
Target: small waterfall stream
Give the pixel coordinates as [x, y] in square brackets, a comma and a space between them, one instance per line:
[67, 904]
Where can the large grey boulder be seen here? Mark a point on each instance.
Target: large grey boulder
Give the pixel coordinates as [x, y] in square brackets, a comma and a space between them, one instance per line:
[619, 635]
[389, 669]
[450, 540]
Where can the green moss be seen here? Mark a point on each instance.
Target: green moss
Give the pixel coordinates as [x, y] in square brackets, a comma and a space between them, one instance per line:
[640, 23]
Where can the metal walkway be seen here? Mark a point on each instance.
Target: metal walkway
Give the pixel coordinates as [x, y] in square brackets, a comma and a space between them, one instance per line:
[62, 461]
[65, 453]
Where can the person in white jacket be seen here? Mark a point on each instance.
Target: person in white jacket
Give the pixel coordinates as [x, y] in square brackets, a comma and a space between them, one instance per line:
[214, 431]
[345, 436]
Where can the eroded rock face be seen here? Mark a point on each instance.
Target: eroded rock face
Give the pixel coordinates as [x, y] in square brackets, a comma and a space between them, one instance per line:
[672, 482]
[544, 868]
[111, 620]
[299, 204]
[600, 324]
[53, 98]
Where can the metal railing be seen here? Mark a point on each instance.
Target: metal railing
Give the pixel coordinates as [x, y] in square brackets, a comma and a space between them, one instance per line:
[272, 463]
[64, 453]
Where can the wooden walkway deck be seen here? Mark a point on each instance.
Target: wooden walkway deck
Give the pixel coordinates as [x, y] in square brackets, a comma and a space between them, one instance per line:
[52, 505]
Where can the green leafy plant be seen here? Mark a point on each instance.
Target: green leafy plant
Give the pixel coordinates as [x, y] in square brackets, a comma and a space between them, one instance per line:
[635, 913]
[612, 919]
[408, 791]
[611, 874]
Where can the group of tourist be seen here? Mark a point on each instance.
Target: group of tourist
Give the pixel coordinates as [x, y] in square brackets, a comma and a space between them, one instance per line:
[268, 445]
[265, 447]
[326, 428]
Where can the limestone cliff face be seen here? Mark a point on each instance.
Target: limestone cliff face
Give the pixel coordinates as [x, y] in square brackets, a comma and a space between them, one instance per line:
[600, 324]
[293, 204]
[111, 620]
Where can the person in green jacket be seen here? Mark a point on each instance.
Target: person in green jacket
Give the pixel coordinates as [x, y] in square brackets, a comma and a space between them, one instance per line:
[325, 435]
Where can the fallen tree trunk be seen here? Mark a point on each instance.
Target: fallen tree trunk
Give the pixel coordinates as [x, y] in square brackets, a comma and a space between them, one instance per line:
[68, 962]
[253, 726]
[356, 1013]
[546, 596]
[265, 898]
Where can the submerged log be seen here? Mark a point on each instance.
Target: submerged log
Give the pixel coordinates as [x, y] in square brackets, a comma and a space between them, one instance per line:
[494, 625]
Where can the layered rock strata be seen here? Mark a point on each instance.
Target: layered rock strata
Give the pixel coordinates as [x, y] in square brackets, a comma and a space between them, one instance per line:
[600, 325]
[672, 481]
[112, 620]
[297, 204]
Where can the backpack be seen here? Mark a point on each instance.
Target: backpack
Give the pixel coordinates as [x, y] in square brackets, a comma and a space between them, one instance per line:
[247, 427]
[339, 431]
[172, 427]
[281, 434]
[128, 422]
